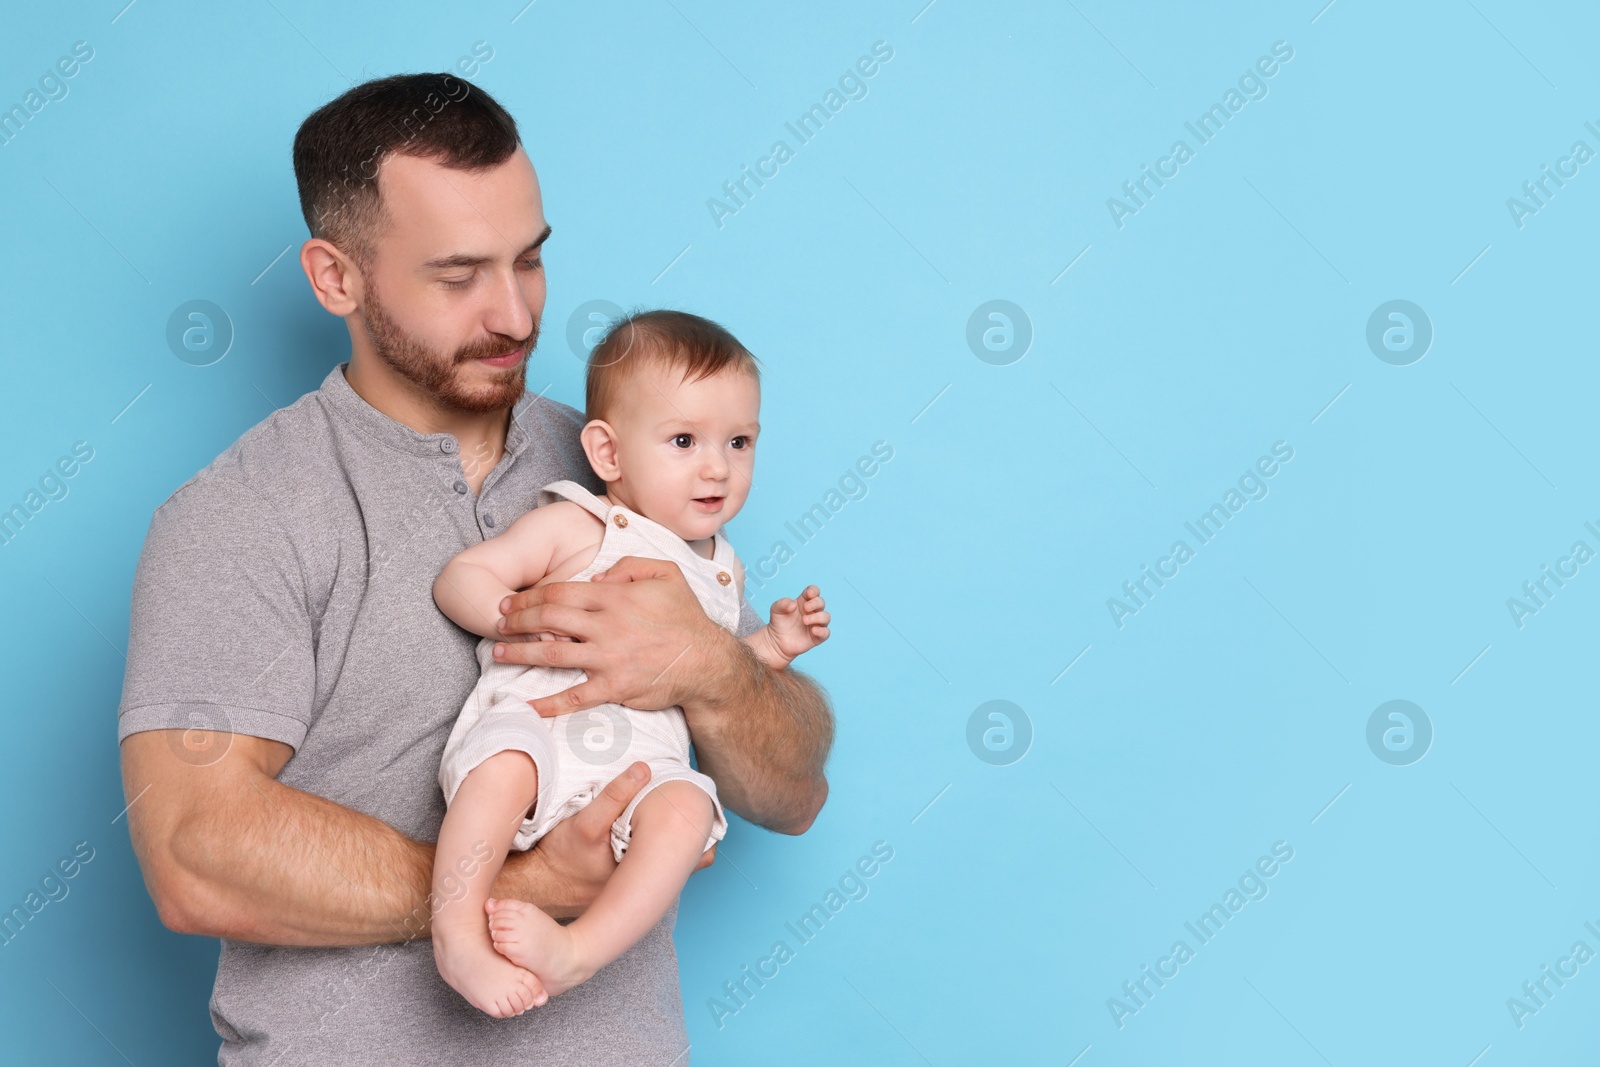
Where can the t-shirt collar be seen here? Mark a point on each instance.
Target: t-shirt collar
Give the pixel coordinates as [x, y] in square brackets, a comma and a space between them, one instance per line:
[341, 397]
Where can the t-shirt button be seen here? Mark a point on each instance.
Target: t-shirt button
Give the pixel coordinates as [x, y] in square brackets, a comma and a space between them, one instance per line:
[461, 487]
[448, 445]
[620, 520]
[724, 577]
[488, 520]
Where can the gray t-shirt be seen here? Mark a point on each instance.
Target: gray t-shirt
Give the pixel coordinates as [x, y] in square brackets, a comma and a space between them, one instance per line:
[286, 592]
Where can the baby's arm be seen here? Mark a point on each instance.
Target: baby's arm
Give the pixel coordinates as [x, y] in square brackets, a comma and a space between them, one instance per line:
[798, 625]
[472, 585]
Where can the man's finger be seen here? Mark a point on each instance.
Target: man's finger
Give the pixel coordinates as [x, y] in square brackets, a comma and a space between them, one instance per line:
[584, 596]
[555, 618]
[607, 805]
[580, 697]
[579, 654]
[637, 568]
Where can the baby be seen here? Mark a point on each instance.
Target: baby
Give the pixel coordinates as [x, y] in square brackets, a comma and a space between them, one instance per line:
[673, 401]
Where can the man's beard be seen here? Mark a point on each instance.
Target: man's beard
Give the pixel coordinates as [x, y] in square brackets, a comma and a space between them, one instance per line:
[438, 376]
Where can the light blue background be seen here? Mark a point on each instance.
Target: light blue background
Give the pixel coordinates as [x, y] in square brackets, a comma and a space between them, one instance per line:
[1227, 315]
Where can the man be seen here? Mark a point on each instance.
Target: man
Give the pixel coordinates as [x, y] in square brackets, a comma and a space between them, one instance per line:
[291, 684]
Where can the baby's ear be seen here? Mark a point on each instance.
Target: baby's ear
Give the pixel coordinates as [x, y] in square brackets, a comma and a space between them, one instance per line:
[599, 442]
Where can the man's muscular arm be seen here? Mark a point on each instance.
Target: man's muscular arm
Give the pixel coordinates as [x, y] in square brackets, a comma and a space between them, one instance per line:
[763, 735]
[228, 851]
[639, 633]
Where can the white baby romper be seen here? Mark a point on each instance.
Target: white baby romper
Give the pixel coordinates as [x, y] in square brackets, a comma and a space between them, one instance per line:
[579, 753]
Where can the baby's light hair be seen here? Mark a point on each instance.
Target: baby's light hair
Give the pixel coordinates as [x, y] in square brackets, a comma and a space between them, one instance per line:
[676, 340]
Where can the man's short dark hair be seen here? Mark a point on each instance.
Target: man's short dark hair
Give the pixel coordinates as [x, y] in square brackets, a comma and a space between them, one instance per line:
[340, 146]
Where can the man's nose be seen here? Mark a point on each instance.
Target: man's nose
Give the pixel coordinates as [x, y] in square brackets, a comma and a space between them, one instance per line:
[509, 314]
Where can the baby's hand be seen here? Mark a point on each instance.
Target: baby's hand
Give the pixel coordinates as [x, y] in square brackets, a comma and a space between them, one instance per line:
[799, 625]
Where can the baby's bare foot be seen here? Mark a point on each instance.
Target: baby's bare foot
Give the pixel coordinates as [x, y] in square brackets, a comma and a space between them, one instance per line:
[489, 981]
[530, 939]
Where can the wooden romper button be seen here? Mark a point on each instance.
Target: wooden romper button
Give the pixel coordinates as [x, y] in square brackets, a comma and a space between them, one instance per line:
[620, 520]
[724, 577]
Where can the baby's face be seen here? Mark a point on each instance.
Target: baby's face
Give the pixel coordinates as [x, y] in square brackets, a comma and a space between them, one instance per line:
[687, 450]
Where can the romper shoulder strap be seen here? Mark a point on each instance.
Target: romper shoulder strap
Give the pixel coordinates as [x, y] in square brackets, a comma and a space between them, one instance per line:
[569, 490]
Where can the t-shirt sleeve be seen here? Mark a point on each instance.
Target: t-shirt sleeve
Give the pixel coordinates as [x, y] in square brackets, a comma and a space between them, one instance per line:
[749, 621]
[220, 635]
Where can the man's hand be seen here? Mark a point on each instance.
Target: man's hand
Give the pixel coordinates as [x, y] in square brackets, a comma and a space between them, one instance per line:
[576, 853]
[640, 635]
[637, 630]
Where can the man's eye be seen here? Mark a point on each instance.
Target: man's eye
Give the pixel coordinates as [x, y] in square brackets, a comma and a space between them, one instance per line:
[533, 264]
[683, 440]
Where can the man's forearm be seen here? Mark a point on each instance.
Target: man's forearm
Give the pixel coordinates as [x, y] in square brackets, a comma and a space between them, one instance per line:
[763, 735]
[281, 866]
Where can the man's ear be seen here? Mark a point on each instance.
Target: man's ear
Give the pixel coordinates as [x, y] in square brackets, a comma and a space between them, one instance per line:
[600, 445]
[335, 281]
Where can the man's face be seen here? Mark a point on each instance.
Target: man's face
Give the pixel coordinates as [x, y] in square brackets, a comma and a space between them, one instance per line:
[461, 278]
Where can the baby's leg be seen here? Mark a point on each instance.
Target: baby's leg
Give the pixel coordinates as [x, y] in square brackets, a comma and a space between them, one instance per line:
[670, 827]
[488, 807]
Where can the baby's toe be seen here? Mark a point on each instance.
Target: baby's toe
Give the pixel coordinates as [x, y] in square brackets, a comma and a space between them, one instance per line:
[521, 995]
[509, 910]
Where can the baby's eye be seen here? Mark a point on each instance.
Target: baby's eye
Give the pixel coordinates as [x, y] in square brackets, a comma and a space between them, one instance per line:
[740, 442]
[683, 440]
